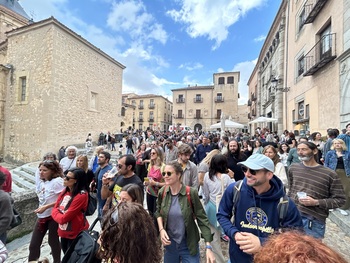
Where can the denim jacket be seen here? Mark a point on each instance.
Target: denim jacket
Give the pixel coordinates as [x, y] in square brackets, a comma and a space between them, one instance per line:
[192, 233]
[332, 159]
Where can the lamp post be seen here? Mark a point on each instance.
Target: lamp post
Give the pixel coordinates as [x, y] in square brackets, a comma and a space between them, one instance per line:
[274, 82]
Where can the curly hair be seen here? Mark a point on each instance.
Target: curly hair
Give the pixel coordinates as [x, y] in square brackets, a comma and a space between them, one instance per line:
[276, 158]
[54, 167]
[132, 238]
[296, 247]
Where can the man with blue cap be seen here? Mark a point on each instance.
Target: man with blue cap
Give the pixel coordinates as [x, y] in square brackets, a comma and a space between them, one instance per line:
[251, 216]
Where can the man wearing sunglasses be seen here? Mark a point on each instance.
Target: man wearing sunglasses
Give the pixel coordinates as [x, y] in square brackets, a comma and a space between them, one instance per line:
[126, 175]
[255, 215]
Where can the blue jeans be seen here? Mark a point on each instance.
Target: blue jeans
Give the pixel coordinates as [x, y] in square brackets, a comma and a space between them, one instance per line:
[176, 252]
[314, 227]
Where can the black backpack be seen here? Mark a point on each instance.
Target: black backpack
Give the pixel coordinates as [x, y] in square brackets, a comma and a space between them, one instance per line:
[282, 206]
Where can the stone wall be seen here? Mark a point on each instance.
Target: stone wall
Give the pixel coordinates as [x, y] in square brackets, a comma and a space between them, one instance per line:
[73, 89]
[25, 204]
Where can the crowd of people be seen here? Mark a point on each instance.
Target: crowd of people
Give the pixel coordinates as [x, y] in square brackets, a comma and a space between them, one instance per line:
[248, 190]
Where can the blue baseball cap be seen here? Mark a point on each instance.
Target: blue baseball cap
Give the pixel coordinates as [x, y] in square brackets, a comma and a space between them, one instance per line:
[259, 161]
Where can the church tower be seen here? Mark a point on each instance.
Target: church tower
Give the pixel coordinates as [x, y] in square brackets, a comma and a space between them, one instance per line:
[12, 16]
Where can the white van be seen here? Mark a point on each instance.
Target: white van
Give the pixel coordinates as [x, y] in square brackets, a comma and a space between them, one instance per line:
[182, 128]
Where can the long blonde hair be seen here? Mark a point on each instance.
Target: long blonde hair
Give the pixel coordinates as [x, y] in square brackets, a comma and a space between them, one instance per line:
[207, 159]
[160, 158]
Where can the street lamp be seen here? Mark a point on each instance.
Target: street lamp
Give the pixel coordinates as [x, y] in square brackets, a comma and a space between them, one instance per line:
[274, 82]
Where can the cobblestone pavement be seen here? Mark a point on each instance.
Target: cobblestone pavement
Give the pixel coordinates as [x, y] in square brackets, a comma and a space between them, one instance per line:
[334, 238]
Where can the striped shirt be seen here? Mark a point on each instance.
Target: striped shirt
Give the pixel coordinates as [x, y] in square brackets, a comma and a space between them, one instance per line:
[320, 183]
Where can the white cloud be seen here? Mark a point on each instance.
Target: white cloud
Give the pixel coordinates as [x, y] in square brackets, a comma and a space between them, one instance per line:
[260, 38]
[191, 67]
[132, 17]
[246, 69]
[211, 19]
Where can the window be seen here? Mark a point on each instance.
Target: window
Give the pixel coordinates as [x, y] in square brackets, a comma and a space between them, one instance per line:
[164, 116]
[151, 114]
[179, 114]
[230, 80]
[301, 19]
[133, 102]
[301, 110]
[141, 116]
[326, 43]
[93, 102]
[198, 98]
[22, 89]
[307, 111]
[141, 103]
[301, 65]
[140, 126]
[218, 114]
[293, 115]
[221, 80]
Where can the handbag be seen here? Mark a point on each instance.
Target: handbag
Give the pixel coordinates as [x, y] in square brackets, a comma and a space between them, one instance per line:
[92, 204]
[16, 218]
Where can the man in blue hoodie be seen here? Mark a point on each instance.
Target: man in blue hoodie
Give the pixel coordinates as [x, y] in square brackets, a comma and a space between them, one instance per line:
[256, 214]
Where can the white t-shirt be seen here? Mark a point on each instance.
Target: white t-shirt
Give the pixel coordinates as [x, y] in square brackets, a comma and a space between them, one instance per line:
[68, 163]
[48, 192]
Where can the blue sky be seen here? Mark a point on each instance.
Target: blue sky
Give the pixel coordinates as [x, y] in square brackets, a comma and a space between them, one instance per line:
[168, 44]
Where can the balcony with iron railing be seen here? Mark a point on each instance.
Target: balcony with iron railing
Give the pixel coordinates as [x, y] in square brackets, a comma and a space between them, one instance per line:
[197, 100]
[312, 9]
[180, 100]
[151, 119]
[219, 99]
[151, 106]
[321, 54]
[253, 97]
[249, 103]
[141, 107]
[179, 116]
[140, 119]
[249, 117]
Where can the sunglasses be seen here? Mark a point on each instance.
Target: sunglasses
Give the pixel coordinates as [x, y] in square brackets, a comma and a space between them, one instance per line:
[68, 178]
[120, 166]
[252, 172]
[113, 219]
[153, 153]
[167, 173]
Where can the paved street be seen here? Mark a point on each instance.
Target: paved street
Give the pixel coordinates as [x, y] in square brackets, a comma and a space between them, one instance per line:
[334, 237]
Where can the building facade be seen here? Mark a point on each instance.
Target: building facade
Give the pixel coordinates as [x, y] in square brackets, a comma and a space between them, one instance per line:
[310, 71]
[56, 87]
[142, 111]
[201, 106]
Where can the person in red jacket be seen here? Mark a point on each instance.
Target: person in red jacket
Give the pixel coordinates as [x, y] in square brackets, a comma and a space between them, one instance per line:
[7, 186]
[70, 207]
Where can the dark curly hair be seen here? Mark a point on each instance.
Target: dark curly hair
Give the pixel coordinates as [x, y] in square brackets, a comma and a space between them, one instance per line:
[54, 167]
[130, 235]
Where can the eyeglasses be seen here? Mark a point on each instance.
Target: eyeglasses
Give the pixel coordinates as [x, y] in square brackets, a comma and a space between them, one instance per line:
[167, 173]
[114, 217]
[68, 178]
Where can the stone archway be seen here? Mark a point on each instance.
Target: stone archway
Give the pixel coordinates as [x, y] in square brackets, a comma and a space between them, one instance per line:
[198, 127]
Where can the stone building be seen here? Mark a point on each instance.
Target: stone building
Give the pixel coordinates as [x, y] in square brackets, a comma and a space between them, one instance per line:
[270, 68]
[56, 87]
[310, 69]
[201, 106]
[143, 111]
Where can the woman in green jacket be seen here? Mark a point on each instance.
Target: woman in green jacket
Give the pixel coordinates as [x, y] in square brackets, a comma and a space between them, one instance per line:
[177, 208]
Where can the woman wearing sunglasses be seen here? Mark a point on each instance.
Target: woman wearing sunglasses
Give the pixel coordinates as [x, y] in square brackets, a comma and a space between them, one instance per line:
[155, 179]
[70, 206]
[124, 239]
[48, 186]
[178, 206]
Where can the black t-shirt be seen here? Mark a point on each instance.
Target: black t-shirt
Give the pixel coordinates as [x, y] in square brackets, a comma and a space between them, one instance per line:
[121, 181]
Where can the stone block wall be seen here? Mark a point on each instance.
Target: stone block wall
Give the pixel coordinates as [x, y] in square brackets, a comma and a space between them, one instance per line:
[25, 204]
[73, 89]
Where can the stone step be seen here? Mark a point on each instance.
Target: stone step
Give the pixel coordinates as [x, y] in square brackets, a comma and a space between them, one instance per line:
[21, 182]
[24, 174]
[342, 221]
